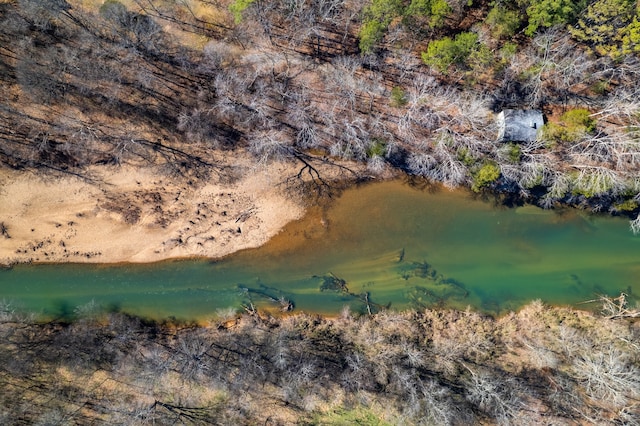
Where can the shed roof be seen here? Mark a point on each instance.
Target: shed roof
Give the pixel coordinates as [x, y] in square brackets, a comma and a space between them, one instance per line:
[517, 125]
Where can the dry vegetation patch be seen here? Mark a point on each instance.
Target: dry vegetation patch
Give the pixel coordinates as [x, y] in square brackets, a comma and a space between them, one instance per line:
[540, 364]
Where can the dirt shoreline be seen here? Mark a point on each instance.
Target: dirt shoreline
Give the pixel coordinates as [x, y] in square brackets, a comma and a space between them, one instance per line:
[138, 215]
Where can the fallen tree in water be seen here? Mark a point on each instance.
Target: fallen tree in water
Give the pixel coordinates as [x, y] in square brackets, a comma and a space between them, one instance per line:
[330, 282]
[270, 295]
[616, 307]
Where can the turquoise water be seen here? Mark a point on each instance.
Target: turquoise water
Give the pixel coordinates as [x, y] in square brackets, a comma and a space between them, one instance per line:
[401, 247]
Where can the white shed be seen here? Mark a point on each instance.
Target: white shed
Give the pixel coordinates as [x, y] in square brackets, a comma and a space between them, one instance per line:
[517, 125]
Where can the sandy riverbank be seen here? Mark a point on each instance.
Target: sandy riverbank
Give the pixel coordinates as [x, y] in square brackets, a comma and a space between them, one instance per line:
[134, 214]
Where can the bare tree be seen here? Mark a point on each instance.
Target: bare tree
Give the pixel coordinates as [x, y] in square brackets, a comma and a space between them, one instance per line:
[421, 164]
[44, 14]
[608, 377]
[498, 397]
[559, 186]
[598, 180]
[270, 145]
[634, 225]
[449, 170]
[616, 307]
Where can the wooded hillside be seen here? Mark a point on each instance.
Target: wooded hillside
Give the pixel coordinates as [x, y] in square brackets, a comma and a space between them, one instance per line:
[408, 85]
[541, 365]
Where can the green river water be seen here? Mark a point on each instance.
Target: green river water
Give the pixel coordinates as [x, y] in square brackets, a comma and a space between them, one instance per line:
[402, 247]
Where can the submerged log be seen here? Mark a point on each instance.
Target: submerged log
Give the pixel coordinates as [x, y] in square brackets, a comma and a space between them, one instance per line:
[285, 305]
[270, 295]
[331, 282]
[366, 301]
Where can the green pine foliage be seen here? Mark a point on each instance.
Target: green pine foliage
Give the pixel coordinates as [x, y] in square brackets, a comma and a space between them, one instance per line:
[371, 33]
[441, 54]
[377, 148]
[626, 206]
[610, 27]
[549, 13]
[630, 37]
[503, 21]
[513, 152]
[378, 16]
[434, 12]
[462, 50]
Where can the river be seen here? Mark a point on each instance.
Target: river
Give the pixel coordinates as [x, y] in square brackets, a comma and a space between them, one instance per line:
[380, 245]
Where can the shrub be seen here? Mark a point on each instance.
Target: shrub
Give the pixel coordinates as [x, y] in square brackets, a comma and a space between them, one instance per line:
[592, 182]
[115, 12]
[626, 206]
[377, 148]
[443, 53]
[237, 7]
[434, 10]
[503, 22]
[486, 175]
[571, 126]
[342, 416]
[514, 152]
[377, 17]
[398, 97]
[549, 13]
[112, 6]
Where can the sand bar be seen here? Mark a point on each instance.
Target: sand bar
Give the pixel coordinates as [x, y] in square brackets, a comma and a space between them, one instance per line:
[137, 214]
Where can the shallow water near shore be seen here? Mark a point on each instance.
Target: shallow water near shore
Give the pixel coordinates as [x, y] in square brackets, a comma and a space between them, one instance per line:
[380, 245]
